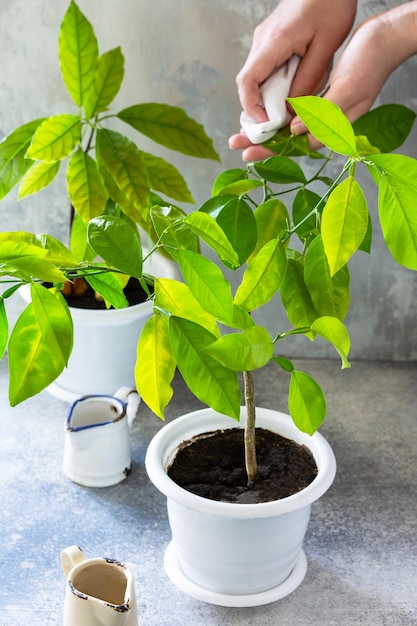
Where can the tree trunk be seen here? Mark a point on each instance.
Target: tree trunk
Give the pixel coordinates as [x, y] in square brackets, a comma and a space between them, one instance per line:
[250, 443]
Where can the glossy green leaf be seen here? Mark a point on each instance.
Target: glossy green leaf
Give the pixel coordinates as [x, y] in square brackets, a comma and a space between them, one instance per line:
[304, 212]
[78, 53]
[165, 178]
[281, 170]
[171, 229]
[246, 351]
[108, 79]
[327, 122]
[207, 284]
[386, 126]
[242, 187]
[55, 138]
[155, 365]
[117, 243]
[208, 380]
[125, 174]
[177, 299]
[306, 402]
[13, 164]
[344, 223]
[285, 143]
[171, 127]
[330, 294]
[25, 260]
[80, 249]
[226, 178]
[238, 223]
[284, 363]
[40, 344]
[272, 220]
[207, 228]
[57, 252]
[364, 146]
[39, 176]
[332, 329]
[295, 296]
[4, 328]
[263, 277]
[86, 190]
[396, 206]
[110, 288]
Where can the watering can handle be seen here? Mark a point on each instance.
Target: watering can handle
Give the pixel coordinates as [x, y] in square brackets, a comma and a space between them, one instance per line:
[70, 557]
[132, 399]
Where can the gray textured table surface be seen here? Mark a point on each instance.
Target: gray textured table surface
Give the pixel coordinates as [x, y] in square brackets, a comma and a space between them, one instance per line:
[361, 543]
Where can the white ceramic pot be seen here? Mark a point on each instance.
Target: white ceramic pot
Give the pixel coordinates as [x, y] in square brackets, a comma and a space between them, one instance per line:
[236, 554]
[104, 354]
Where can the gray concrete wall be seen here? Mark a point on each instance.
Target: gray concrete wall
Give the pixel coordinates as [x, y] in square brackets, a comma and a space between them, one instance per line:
[187, 53]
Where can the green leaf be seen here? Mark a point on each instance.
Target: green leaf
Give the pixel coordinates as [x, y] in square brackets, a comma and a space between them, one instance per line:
[108, 79]
[285, 143]
[172, 231]
[40, 344]
[125, 174]
[78, 53]
[304, 205]
[280, 170]
[242, 187]
[295, 296]
[207, 284]
[117, 243]
[78, 241]
[386, 127]
[177, 299]
[272, 220]
[326, 122]
[86, 190]
[344, 223]
[332, 329]
[110, 288]
[165, 178]
[4, 328]
[155, 365]
[39, 176]
[207, 228]
[171, 127]
[55, 138]
[208, 380]
[246, 351]
[330, 294]
[364, 146]
[226, 178]
[284, 363]
[306, 402]
[238, 223]
[396, 206]
[13, 164]
[27, 261]
[263, 277]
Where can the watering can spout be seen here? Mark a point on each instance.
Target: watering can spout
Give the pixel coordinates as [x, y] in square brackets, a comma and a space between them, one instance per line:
[132, 399]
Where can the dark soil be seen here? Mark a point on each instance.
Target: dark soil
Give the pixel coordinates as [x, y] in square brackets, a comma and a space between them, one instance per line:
[212, 466]
[133, 292]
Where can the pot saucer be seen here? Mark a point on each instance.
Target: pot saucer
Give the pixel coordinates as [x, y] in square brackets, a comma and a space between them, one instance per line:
[175, 573]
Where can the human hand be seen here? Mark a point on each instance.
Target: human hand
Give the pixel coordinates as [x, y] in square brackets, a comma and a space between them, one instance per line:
[310, 29]
[380, 44]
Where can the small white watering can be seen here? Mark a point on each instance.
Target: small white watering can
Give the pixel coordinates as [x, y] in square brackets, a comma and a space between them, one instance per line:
[97, 444]
[99, 592]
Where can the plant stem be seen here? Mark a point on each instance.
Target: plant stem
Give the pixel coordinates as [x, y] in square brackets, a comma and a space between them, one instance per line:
[250, 442]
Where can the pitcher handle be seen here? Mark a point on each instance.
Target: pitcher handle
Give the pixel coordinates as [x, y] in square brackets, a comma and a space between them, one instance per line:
[70, 557]
[132, 399]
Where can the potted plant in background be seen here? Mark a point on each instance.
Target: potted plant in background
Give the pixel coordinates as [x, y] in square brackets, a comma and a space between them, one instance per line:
[106, 174]
[247, 550]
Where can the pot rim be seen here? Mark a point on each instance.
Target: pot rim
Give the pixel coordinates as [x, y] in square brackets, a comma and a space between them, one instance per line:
[164, 445]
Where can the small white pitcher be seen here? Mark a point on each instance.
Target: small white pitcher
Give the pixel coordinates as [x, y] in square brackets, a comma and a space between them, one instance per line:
[97, 444]
[99, 592]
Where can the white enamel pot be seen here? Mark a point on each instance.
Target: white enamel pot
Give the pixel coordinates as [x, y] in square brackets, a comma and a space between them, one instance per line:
[236, 554]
